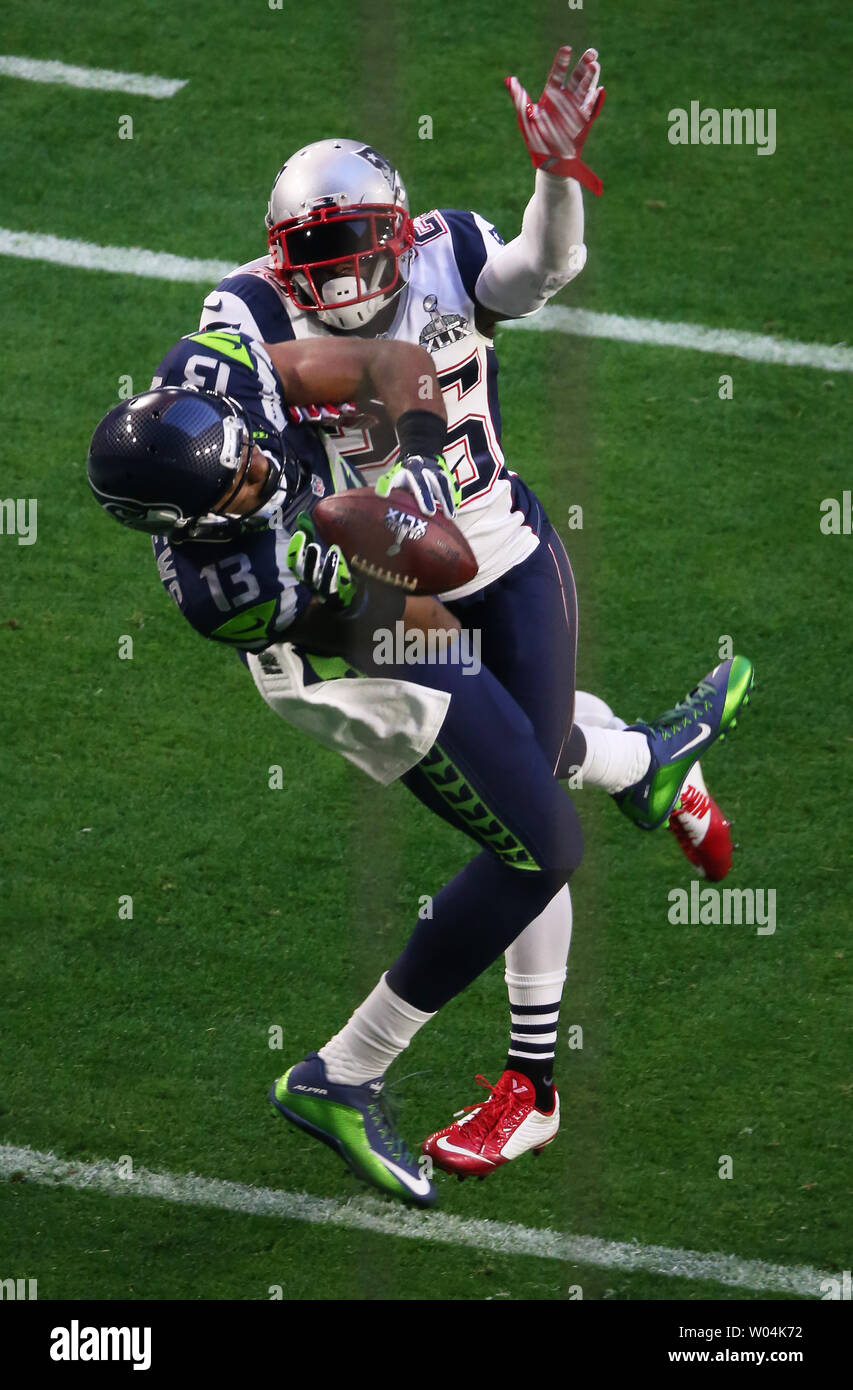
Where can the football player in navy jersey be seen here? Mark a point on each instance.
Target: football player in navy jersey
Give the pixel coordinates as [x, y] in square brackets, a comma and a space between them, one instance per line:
[345, 258]
[207, 462]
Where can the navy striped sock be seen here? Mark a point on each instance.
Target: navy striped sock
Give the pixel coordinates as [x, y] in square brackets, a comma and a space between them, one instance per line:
[532, 1044]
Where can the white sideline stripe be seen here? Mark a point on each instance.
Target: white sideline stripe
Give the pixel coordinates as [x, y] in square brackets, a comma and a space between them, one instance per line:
[370, 1214]
[99, 79]
[126, 260]
[554, 318]
[755, 347]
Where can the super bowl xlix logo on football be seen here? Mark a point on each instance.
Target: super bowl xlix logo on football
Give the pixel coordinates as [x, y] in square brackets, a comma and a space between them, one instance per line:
[405, 528]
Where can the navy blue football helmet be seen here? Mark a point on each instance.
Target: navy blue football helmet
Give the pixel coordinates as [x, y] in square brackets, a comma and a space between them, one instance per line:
[169, 461]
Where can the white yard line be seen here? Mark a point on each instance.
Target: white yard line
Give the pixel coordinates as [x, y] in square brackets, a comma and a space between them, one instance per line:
[556, 318]
[97, 79]
[370, 1214]
[126, 260]
[755, 347]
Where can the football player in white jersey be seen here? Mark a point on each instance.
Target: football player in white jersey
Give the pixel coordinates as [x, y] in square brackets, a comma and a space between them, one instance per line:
[346, 258]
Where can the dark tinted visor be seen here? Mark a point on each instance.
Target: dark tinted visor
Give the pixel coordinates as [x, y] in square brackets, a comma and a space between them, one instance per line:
[337, 240]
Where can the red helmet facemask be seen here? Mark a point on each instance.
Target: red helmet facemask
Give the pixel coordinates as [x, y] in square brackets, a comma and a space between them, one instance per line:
[363, 242]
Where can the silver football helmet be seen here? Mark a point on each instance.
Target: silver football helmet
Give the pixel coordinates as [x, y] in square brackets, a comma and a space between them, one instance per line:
[340, 232]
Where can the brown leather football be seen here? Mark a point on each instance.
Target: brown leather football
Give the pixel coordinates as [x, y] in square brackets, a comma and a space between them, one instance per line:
[389, 539]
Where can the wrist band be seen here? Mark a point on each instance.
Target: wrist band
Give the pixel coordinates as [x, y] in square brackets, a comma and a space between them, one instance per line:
[421, 432]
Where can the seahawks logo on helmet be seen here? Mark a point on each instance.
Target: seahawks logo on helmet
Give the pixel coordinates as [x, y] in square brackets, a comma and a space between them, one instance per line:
[157, 518]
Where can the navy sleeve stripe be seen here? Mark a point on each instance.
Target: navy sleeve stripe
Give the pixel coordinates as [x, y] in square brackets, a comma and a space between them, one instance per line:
[264, 305]
[469, 248]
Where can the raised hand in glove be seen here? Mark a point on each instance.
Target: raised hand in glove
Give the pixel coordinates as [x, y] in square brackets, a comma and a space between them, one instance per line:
[556, 126]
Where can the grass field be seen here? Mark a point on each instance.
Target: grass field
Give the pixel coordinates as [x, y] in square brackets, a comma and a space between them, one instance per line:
[252, 908]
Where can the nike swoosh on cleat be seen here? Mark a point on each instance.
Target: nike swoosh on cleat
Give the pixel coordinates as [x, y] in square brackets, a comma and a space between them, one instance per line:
[694, 827]
[420, 1186]
[446, 1145]
[705, 729]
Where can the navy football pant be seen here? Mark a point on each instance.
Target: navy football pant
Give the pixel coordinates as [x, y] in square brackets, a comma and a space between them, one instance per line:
[491, 774]
[529, 624]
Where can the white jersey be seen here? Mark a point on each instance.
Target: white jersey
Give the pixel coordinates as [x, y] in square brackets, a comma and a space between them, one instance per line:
[499, 515]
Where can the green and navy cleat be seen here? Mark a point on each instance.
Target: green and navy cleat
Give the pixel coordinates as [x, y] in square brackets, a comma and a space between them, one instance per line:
[354, 1121]
[682, 735]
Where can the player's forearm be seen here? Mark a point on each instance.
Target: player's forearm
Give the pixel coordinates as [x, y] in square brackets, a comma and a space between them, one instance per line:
[400, 375]
[330, 634]
[543, 258]
[403, 377]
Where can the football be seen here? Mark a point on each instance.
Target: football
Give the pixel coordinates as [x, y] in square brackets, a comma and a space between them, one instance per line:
[389, 539]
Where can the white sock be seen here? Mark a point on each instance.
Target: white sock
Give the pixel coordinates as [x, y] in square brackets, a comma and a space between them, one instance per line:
[379, 1030]
[535, 974]
[591, 710]
[543, 946]
[615, 758]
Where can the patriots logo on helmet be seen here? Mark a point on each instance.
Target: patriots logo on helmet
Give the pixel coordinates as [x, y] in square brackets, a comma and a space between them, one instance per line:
[405, 528]
[379, 162]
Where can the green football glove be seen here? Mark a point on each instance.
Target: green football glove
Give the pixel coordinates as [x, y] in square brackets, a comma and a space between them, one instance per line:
[321, 568]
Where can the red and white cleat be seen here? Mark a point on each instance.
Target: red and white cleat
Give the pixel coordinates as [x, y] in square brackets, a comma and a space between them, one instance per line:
[701, 829]
[494, 1131]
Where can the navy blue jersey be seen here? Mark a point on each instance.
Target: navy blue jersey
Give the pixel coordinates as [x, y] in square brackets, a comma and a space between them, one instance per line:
[240, 591]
